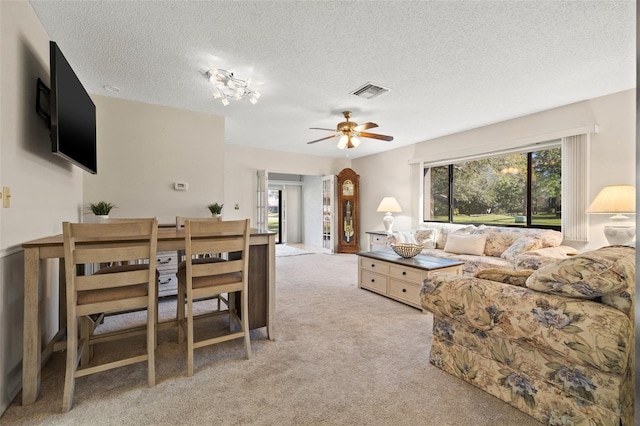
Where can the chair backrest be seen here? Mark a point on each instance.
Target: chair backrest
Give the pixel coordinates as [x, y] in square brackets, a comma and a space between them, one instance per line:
[204, 236]
[119, 241]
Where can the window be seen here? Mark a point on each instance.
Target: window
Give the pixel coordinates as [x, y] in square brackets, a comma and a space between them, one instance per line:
[520, 189]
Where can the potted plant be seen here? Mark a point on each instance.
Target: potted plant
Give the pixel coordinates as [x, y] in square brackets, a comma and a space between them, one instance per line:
[101, 210]
[215, 209]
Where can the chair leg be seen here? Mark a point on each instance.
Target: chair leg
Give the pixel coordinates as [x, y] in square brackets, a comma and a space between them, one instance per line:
[86, 331]
[152, 344]
[180, 312]
[72, 365]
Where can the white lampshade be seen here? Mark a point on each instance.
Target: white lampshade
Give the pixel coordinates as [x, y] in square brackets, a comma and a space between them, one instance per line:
[616, 200]
[388, 205]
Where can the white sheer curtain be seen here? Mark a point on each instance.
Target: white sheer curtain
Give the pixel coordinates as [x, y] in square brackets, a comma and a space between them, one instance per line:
[575, 187]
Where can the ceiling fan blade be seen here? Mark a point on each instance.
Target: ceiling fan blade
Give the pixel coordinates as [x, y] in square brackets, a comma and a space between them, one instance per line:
[365, 126]
[325, 138]
[374, 136]
[322, 128]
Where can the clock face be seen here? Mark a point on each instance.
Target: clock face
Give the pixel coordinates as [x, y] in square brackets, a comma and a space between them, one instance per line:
[347, 188]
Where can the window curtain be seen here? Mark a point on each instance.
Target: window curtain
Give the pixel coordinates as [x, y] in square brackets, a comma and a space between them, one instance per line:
[575, 187]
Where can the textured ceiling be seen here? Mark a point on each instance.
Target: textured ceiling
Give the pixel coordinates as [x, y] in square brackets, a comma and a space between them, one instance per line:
[450, 65]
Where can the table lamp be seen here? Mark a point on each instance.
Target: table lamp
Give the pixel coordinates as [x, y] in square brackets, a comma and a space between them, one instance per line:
[616, 200]
[388, 205]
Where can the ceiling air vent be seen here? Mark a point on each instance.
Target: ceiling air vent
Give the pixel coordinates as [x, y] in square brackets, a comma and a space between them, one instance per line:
[369, 91]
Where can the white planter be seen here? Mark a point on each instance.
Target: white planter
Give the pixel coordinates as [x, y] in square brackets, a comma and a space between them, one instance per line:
[217, 217]
[101, 218]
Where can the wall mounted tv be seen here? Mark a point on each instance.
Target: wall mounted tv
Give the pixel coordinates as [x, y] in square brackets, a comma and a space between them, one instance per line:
[73, 115]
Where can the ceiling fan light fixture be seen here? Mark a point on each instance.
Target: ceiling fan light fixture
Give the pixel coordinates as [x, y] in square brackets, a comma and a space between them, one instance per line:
[342, 143]
[225, 101]
[354, 141]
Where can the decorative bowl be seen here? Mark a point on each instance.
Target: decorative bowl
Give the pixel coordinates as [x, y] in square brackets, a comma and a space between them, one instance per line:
[406, 250]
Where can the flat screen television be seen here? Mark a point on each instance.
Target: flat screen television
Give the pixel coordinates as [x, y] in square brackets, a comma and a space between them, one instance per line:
[73, 115]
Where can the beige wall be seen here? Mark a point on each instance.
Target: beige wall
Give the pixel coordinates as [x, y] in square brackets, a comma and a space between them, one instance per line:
[242, 163]
[143, 149]
[45, 189]
[612, 155]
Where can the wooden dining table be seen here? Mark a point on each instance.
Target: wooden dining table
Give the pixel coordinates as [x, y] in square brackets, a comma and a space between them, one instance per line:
[262, 286]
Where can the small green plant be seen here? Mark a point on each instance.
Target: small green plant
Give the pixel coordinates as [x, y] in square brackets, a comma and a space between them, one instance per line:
[215, 208]
[101, 208]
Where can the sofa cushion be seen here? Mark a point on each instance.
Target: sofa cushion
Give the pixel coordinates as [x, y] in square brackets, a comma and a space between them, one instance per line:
[590, 275]
[506, 276]
[536, 259]
[443, 229]
[498, 239]
[519, 246]
[465, 244]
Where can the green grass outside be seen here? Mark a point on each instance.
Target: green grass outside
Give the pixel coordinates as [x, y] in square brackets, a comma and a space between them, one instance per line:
[495, 219]
[272, 222]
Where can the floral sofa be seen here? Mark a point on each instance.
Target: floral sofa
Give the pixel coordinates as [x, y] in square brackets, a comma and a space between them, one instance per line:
[556, 343]
[485, 247]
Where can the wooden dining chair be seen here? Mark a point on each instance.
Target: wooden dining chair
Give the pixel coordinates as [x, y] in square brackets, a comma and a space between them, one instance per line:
[118, 288]
[205, 277]
[180, 221]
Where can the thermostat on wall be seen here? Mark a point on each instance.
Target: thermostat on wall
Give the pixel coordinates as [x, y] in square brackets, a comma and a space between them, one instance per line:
[180, 186]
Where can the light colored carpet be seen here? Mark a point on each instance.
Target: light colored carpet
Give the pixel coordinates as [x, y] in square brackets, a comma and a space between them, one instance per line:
[343, 356]
[283, 250]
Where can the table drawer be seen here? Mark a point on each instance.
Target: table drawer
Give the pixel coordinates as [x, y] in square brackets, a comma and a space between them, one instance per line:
[405, 290]
[378, 239]
[167, 261]
[374, 265]
[167, 285]
[407, 274]
[373, 281]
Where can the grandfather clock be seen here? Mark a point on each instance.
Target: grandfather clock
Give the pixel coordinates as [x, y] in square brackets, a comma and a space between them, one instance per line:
[348, 216]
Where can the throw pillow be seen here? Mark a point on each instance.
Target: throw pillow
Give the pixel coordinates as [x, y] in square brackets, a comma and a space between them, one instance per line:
[498, 239]
[519, 246]
[426, 237]
[507, 276]
[401, 237]
[589, 275]
[465, 244]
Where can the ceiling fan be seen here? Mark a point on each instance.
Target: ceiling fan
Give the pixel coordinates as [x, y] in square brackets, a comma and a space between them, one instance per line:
[350, 132]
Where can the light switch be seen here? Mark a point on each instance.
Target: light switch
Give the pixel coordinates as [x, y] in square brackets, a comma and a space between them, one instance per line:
[6, 197]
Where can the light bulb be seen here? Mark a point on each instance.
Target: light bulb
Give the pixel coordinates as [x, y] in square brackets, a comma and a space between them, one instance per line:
[225, 102]
[253, 100]
[355, 141]
[217, 95]
[343, 142]
[257, 94]
[231, 84]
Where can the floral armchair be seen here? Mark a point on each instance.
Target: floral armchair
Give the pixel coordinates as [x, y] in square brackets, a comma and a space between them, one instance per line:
[556, 343]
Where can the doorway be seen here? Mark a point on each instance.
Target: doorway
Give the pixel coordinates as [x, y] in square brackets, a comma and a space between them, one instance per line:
[275, 211]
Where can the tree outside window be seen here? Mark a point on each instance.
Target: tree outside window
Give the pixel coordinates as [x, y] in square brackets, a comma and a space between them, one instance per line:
[517, 189]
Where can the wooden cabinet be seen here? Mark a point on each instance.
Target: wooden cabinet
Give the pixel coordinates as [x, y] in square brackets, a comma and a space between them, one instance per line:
[167, 266]
[400, 279]
[348, 212]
